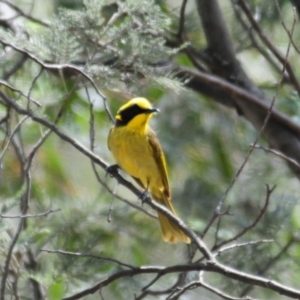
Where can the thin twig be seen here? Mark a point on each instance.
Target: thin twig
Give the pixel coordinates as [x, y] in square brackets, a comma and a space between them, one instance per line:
[46, 213]
[111, 207]
[200, 283]
[92, 146]
[247, 28]
[11, 137]
[282, 58]
[279, 154]
[251, 226]
[220, 293]
[270, 263]
[181, 290]
[152, 282]
[32, 85]
[111, 118]
[169, 290]
[113, 19]
[56, 67]
[19, 91]
[290, 35]
[240, 245]
[213, 218]
[23, 14]
[15, 67]
[78, 254]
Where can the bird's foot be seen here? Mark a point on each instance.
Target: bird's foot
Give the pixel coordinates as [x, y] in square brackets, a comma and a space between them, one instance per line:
[145, 196]
[112, 170]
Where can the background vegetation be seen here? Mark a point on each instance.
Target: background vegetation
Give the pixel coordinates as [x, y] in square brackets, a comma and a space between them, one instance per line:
[225, 77]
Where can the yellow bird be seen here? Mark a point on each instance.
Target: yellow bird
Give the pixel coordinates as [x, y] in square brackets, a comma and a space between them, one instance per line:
[137, 151]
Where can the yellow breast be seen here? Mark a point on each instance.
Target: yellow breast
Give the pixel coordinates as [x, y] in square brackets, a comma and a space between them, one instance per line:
[133, 154]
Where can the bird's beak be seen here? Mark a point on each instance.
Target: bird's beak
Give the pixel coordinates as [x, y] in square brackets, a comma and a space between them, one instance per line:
[153, 110]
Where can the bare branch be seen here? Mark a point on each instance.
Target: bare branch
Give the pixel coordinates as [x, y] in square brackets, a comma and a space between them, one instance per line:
[77, 254]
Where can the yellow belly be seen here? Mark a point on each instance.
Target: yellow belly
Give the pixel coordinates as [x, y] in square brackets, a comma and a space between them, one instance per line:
[133, 154]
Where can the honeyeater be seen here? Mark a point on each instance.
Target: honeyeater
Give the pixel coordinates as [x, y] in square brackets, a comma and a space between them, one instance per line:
[137, 151]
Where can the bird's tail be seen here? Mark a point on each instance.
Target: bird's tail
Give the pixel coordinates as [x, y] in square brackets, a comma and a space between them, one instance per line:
[170, 231]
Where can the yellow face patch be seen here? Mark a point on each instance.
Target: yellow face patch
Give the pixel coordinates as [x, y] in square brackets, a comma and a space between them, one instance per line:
[118, 117]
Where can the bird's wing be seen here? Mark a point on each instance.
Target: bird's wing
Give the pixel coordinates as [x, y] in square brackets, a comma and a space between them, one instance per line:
[139, 182]
[160, 161]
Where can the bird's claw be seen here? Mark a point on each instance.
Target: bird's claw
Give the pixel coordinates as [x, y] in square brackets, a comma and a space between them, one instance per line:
[144, 196]
[112, 170]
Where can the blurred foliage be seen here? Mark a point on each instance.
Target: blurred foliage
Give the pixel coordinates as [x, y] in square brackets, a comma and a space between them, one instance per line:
[205, 144]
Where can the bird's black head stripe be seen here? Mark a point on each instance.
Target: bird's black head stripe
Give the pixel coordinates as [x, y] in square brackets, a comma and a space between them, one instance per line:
[129, 113]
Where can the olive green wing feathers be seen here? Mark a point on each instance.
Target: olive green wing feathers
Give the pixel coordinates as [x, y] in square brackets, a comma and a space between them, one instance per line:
[160, 161]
